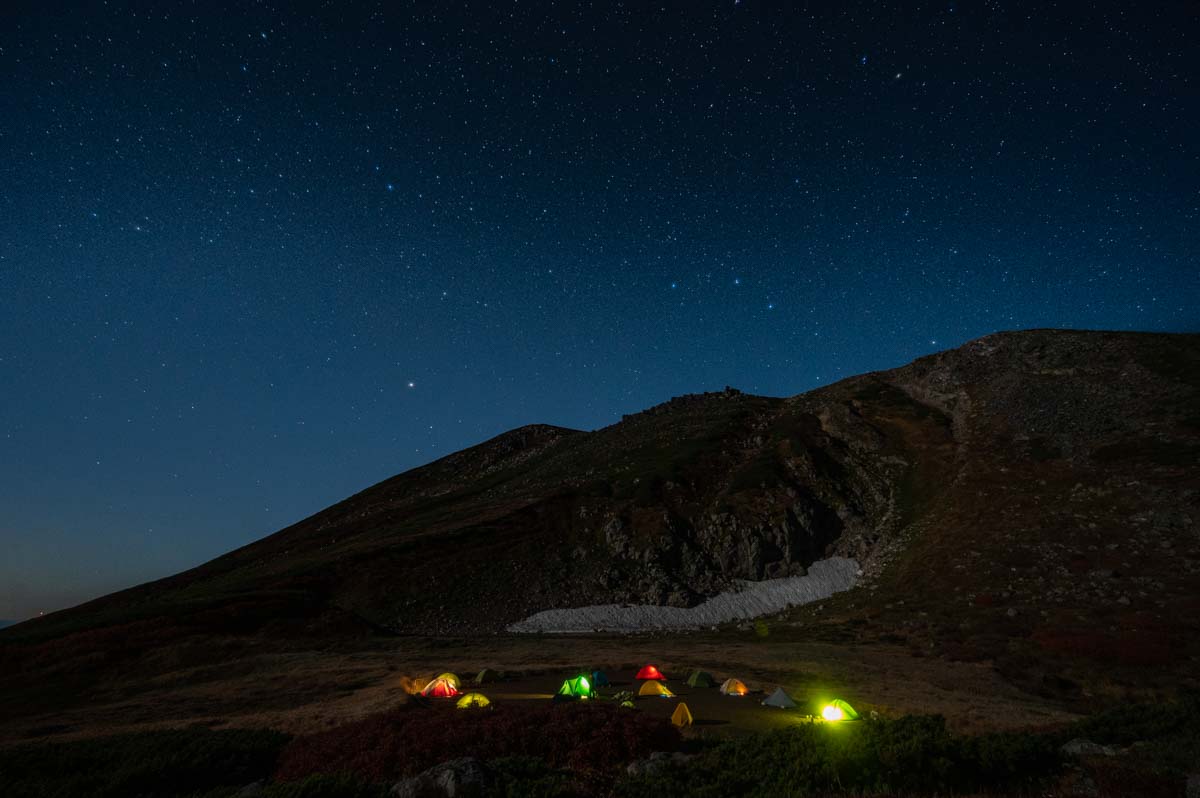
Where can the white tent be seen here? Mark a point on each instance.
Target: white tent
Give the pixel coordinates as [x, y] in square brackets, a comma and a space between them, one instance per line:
[779, 699]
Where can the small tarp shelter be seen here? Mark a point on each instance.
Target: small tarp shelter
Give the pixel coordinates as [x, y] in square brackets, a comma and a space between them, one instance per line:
[682, 716]
[653, 687]
[576, 687]
[701, 679]
[599, 679]
[487, 676]
[473, 701]
[452, 678]
[733, 687]
[439, 688]
[779, 699]
[837, 709]
[650, 672]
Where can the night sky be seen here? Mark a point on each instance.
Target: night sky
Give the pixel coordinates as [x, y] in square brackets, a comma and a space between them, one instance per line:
[254, 260]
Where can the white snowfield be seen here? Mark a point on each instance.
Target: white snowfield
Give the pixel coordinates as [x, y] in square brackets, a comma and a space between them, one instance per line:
[751, 600]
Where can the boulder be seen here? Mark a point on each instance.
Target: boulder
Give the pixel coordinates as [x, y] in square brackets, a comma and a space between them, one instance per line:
[1080, 747]
[656, 762]
[459, 778]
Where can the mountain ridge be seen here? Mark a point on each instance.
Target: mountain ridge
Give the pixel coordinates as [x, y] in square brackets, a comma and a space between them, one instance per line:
[907, 470]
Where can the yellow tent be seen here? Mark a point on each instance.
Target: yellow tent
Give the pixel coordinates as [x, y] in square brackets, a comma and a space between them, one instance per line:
[450, 677]
[473, 701]
[654, 687]
[682, 716]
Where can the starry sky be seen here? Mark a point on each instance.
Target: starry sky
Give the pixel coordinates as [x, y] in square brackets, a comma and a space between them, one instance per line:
[254, 259]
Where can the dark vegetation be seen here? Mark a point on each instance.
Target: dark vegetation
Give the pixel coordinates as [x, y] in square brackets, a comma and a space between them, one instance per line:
[582, 737]
[581, 750]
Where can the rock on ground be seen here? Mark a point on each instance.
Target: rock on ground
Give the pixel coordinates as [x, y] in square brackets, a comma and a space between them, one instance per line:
[459, 778]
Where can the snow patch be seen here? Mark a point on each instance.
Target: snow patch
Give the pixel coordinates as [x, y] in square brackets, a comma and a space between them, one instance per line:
[750, 600]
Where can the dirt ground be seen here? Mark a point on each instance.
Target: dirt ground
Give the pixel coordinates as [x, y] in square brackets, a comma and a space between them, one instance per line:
[301, 690]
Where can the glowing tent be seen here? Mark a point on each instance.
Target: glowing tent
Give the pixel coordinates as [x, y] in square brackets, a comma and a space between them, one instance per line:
[779, 699]
[650, 672]
[473, 701]
[682, 716]
[657, 688]
[733, 687]
[450, 677]
[837, 709]
[486, 676]
[599, 679]
[440, 688]
[576, 687]
[701, 679]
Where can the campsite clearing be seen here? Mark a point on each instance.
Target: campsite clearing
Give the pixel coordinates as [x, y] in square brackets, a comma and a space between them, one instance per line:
[303, 689]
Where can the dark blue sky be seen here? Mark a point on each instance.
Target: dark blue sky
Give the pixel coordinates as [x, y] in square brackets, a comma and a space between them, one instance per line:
[253, 260]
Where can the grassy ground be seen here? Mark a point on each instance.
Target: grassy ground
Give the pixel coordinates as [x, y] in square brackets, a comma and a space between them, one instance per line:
[300, 690]
[581, 750]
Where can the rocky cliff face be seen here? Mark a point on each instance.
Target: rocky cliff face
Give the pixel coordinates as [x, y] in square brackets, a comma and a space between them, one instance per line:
[913, 472]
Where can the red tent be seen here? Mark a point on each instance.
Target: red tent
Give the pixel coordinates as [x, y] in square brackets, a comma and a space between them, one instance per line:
[650, 672]
[440, 688]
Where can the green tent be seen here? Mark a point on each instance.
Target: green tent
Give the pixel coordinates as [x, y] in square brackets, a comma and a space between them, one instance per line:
[701, 679]
[576, 687]
[486, 676]
[837, 709]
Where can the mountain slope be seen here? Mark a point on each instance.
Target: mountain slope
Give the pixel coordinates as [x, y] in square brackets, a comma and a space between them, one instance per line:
[1035, 472]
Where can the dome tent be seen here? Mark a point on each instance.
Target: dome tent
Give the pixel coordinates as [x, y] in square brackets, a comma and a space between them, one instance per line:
[682, 716]
[734, 687]
[440, 688]
[655, 688]
[837, 710]
[700, 678]
[452, 678]
[650, 672]
[575, 687]
[473, 701]
[487, 676]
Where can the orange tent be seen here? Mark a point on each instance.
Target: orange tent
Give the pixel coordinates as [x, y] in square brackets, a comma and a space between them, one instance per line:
[650, 672]
[440, 688]
[733, 687]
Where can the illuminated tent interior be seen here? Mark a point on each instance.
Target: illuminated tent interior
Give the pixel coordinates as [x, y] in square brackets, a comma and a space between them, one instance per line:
[655, 688]
[450, 677]
[440, 688]
[734, 687]
[576, 687]
[837, 709]
[682, 716]
[651, 672]
[473, 701]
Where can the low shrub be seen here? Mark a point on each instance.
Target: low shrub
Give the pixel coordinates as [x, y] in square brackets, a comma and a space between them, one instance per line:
[162, 763]
[583, 736]
[914, 754]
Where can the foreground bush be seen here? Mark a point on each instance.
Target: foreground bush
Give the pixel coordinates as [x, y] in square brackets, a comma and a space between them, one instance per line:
[914, 754]
[582, 736]
[163, 763]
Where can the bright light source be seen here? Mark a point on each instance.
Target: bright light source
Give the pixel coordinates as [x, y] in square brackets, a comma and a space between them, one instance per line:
[830, 712]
